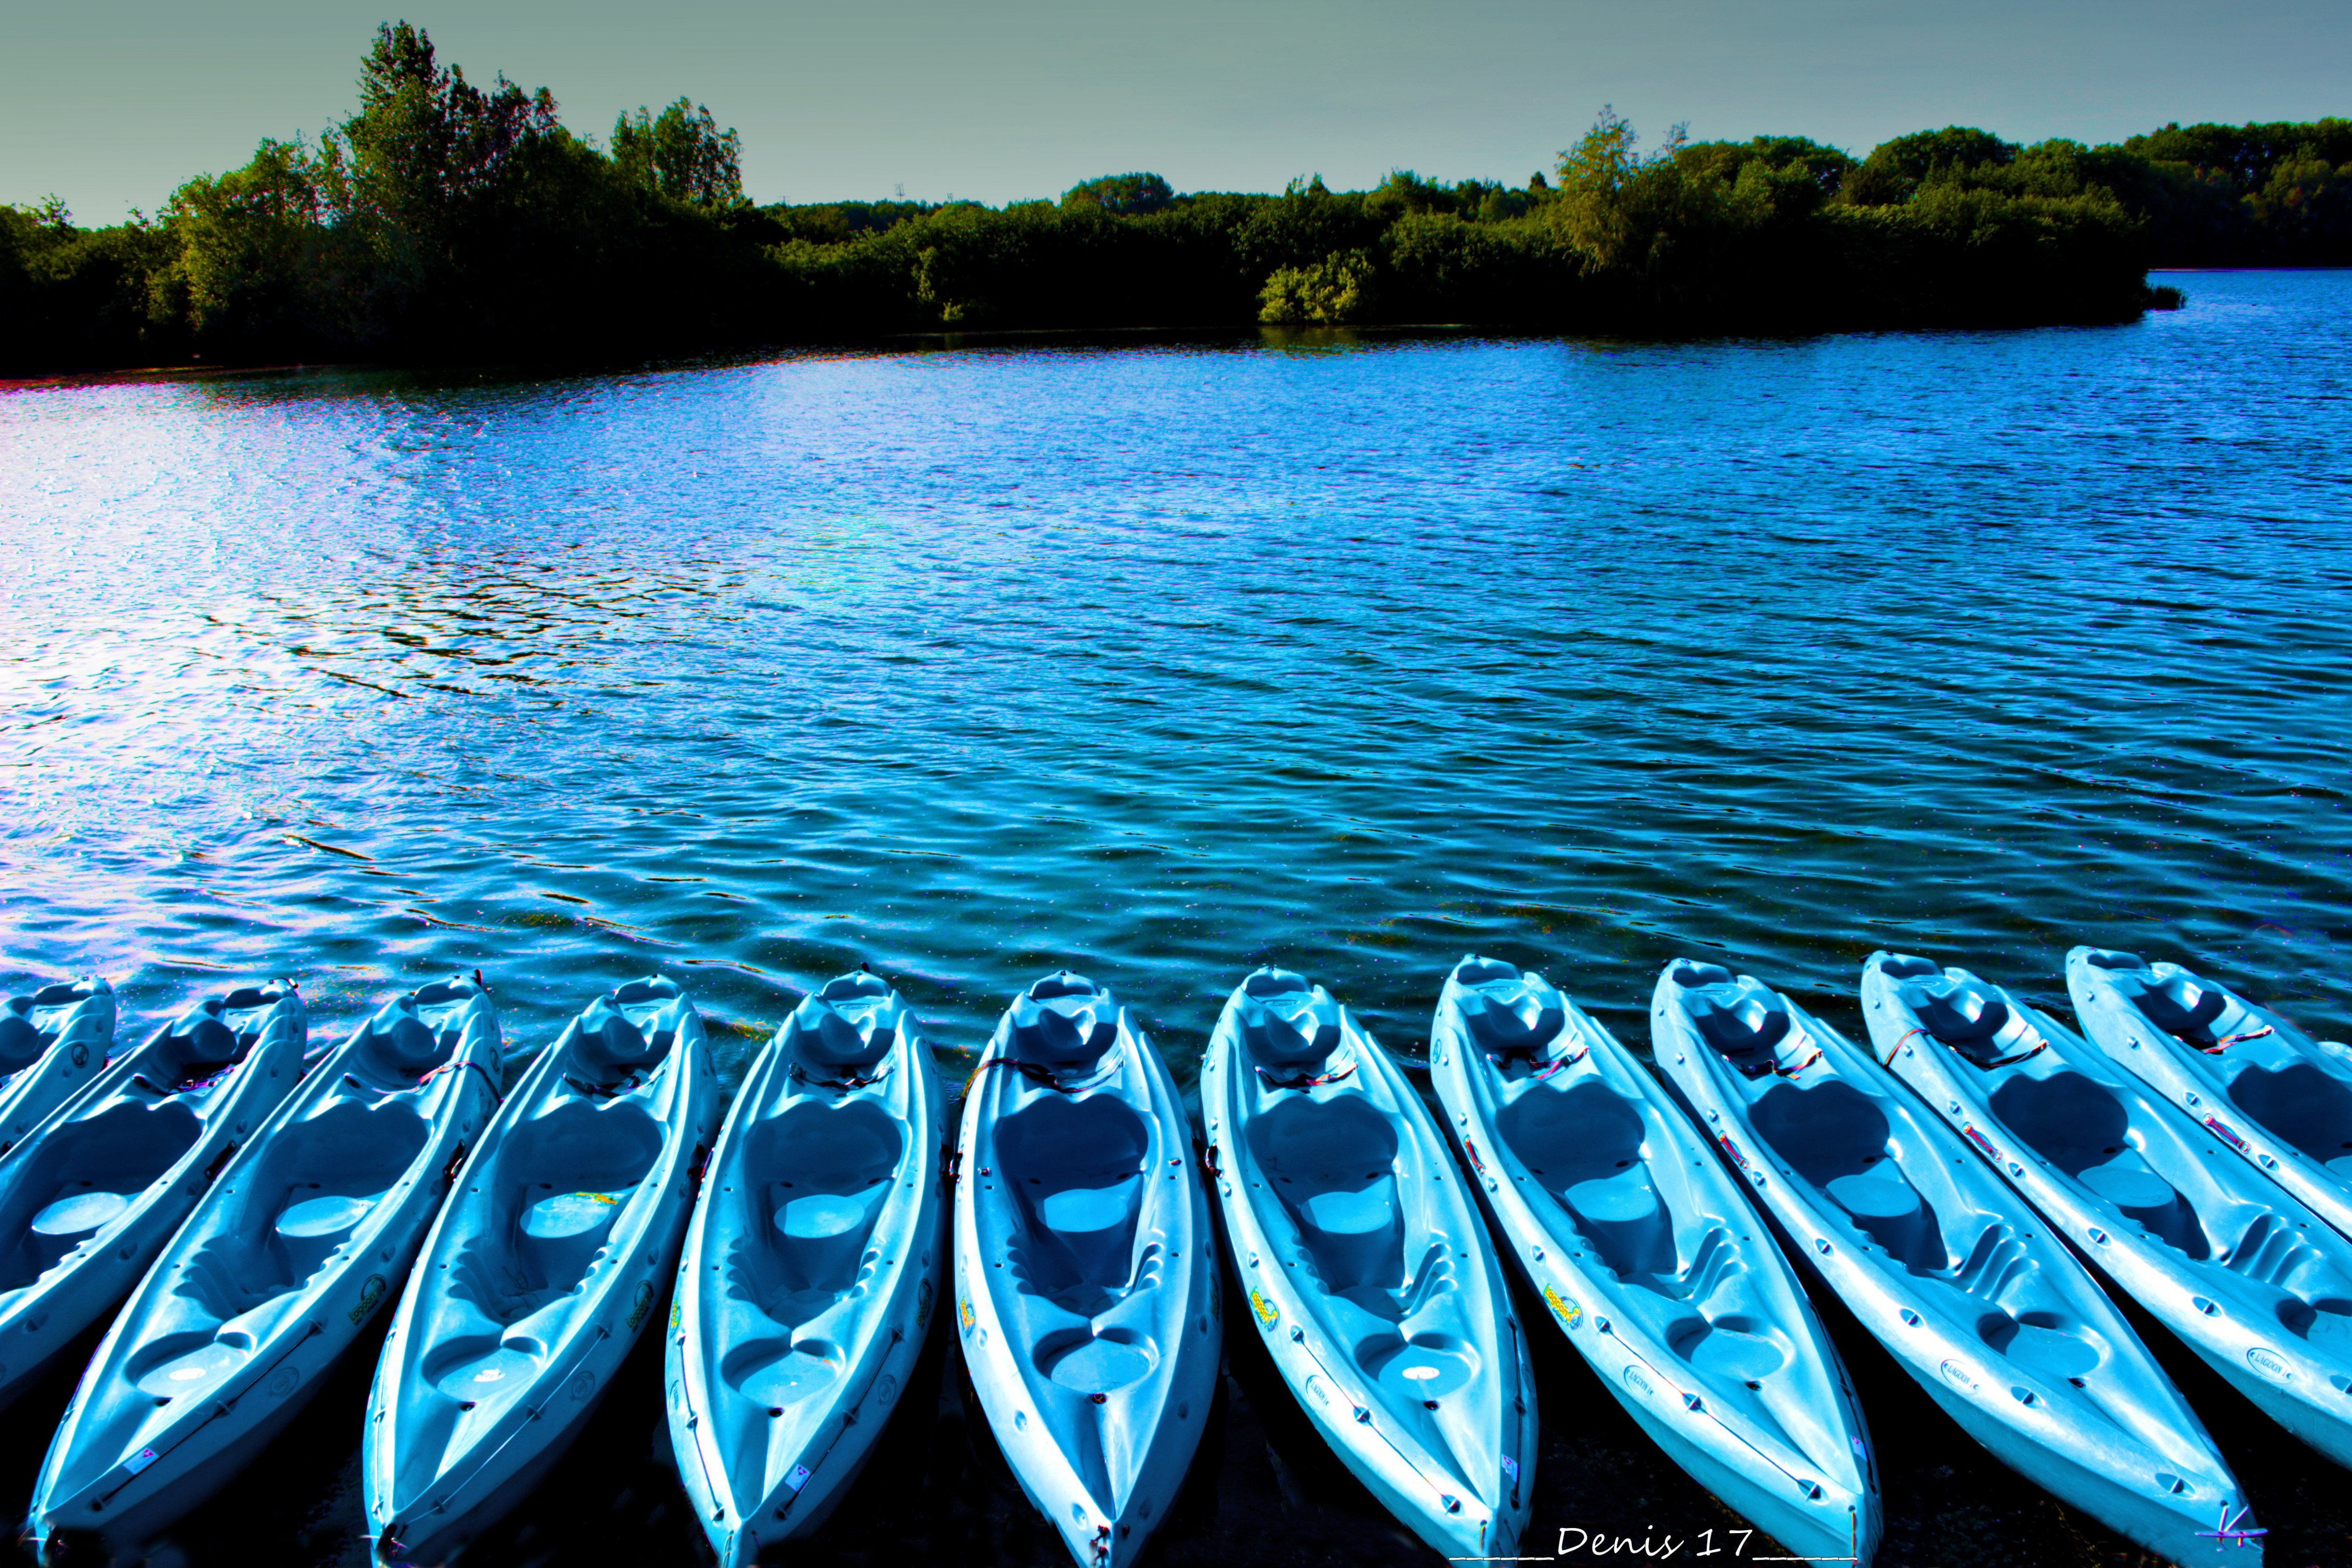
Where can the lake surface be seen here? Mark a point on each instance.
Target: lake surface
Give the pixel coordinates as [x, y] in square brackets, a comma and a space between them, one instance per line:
[1161, 662]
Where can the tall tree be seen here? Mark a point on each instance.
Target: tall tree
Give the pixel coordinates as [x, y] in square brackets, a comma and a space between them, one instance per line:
[681, 153]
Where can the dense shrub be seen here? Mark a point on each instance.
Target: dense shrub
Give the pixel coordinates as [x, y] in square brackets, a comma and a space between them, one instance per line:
[444, 219]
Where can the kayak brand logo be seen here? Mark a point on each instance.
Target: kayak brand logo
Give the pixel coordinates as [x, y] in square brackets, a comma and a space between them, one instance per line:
[1637, 1383]
[81, 1055]
[645, 1303]
[1958, 1377]
[1268, 1314]
[2269, 1363]
[1569, 1313]
[677, 1315]
[963, 1312]
[370, 1294]
[923, 1305]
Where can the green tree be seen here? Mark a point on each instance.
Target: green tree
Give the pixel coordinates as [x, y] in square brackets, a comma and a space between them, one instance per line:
[682, 154]
[1126, 196]
[1618, 207]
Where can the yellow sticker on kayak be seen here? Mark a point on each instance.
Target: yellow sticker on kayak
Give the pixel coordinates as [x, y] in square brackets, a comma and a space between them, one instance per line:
[1268, 1314]
[1567, 1311]
[963, 1311]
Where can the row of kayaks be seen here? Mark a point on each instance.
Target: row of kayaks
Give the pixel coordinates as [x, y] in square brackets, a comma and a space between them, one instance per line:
[259, 1205]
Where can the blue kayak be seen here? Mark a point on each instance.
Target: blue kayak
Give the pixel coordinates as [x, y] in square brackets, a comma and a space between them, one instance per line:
[814, 1261]
[544, 1266]
[93, 1192]
[1969, 1290]
[1652, 1261]
[281, 1266]
[1086, 1278]
[2257, 1285]
[1370, 1276]
[2274, 1097]
[52, 1043]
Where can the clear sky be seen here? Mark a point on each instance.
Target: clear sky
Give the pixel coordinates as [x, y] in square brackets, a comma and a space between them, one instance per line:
[111, 103]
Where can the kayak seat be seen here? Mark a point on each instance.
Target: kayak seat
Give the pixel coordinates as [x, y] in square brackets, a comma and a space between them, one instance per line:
[2320, 1310]
[2180, 1005]
[332, 1168]
[2080, 1127]
[565, 1176]
[1838, 1139]
[1333, 1165]
[405, 1045]
[204, 1049]
[1582, 1140]
[1289, 1027]
[1426, 1366]
[118, 1152]
[1075, 1168]
[1088, 1363]
[1743, 1021]
[1971, 1018]
[778, 1372]
[824, 1173]
[1065, 1024]
[1517, 1014]
[2309, 1108]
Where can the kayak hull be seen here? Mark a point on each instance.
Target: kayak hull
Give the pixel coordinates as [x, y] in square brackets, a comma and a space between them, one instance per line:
[279, 1269]
[89, 1198]
[2073, 1132]
[1085, 1273]
[1368, 1272]
[544, 1266]
[1611, 1210]
[1975, 1298]
[52, 1043]
[812, 1269]
[2275, 1098]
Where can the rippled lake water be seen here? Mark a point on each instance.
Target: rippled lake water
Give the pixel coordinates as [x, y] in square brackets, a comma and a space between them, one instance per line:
[1164, 661]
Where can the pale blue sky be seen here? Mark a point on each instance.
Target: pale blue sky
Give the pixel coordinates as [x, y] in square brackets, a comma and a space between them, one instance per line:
[111, 103]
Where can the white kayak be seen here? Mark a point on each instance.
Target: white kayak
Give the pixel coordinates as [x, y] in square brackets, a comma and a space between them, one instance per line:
[1974, 1296]
[811, 1269]
[1368, 1271]
[1655, 1263]
[2273, 1096]
[52, 1043]
[277, 1272]
[2257, 1285]
[542, 1271]
[93, 1192]
[1086, 1275]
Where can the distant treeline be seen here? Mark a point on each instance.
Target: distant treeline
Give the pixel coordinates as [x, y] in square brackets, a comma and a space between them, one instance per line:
[444, 221]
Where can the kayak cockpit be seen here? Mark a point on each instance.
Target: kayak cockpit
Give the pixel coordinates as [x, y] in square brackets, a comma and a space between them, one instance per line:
[827, 1170]
[1075, 1171]
[1584, 1143]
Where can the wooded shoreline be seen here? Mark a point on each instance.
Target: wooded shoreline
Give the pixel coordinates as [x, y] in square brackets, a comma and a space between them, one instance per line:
[448, 223]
